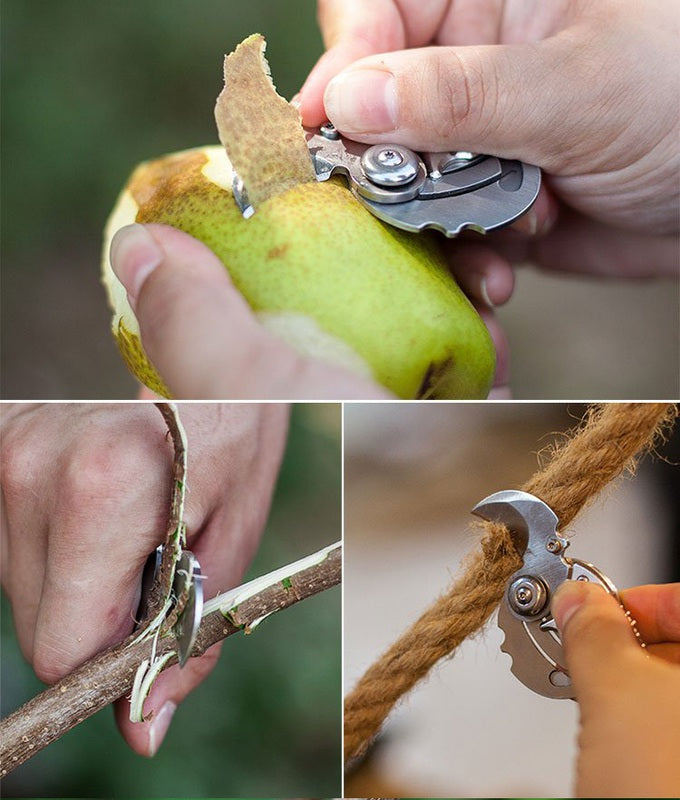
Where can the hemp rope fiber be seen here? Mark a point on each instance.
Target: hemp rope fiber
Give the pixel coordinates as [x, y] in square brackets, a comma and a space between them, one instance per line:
[608, 441]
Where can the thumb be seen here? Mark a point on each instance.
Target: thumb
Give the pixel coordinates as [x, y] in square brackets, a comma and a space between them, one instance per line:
[200, 333]
[514, 101]
[167, 692]
[599, 644]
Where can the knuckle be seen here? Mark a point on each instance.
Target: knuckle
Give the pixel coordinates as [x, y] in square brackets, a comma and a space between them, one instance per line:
[102, 468]
[457, 94]
[20, 466]
[89, 472]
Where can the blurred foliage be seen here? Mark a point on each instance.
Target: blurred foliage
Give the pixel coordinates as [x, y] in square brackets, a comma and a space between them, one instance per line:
[91, 88]
[267, 722]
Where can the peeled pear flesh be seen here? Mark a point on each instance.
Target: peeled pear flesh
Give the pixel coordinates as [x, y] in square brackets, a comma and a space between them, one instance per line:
[321, 272]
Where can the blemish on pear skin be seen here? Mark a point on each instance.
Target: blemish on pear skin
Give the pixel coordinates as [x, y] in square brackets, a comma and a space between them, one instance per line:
[278, 252]
[179, 171]
[433, 375]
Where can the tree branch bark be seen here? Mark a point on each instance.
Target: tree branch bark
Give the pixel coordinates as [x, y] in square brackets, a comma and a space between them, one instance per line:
[109, 675]
[175, 536]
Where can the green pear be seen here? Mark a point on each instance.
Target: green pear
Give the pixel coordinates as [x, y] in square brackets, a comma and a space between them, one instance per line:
[317, 268]
[319, 271]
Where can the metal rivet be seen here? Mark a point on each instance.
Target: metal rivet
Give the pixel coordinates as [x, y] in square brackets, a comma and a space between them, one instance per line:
[329, 131]
[390, 158]
[390, 165]
[554, 546]
[527, 596]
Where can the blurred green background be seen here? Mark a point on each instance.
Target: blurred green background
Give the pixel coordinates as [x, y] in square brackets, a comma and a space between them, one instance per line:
[267, 722]
[90, 88]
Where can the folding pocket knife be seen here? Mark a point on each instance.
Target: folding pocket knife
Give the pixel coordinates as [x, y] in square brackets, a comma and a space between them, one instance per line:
[532, 639]
[187, 597]
[448, 192]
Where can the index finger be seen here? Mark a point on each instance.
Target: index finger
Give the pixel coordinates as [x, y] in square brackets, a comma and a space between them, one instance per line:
[656, 610]
[351, 29]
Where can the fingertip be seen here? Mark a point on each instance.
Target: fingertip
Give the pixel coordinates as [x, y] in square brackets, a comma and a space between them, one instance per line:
[484, 275]
[311, 95]
[568, 598]
[656, 609]
[599, 645]
[500, 389]
[541, 217]
[159, 725]
[363, 101]
[145, 393]
[500, 393]
[145, 738]
[170, 689]
[138, 251]
[310, 102]
[134, 255]
[497, 282]
[190, 317]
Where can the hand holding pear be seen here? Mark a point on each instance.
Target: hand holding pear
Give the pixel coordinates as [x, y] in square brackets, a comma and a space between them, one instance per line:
[317, 268]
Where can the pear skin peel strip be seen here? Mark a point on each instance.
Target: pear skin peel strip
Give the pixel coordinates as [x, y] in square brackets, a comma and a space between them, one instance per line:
[269, 158]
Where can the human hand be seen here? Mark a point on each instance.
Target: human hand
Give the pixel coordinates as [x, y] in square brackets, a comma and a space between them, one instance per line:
[629, 698]
[221, 350]
[86, 493]
[202, 336]
[589, 91]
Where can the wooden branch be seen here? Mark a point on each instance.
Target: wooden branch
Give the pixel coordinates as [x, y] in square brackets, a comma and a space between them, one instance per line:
[174, 538]
[109, 675]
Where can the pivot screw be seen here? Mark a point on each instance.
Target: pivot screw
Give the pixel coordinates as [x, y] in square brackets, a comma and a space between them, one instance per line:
[390, 165]
[554, 546]
[329, 131]
[527, 596]
[390, 158]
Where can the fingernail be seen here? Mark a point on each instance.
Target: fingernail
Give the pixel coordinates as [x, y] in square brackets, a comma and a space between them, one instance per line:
[295, 101]
[159, 726]
[549, 221]
[532, 222]
[362, 101]
[135, 254]
[484, 293]
[566, 601]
